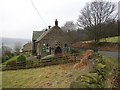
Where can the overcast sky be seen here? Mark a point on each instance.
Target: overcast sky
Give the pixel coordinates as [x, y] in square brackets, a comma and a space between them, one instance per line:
[18, 18]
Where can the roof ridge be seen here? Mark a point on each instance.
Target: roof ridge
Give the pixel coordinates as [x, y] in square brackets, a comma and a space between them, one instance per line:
[46, 32]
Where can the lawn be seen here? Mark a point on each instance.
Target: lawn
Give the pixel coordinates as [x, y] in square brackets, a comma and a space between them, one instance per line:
[56, 76]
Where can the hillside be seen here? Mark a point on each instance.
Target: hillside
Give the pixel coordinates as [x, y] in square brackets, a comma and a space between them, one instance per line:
[10, 42]
[106, 44]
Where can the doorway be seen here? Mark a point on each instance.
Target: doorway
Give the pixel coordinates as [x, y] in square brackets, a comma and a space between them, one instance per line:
[58, 51]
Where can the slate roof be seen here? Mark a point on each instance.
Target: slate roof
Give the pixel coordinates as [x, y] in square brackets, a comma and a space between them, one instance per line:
[37, 34]
[46, 32]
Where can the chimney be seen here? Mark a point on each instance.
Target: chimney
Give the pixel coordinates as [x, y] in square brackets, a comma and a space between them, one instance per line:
[45, 29]
[56, 22]
[49, 27]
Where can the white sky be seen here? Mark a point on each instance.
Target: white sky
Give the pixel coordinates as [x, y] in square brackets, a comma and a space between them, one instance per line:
[18, 18]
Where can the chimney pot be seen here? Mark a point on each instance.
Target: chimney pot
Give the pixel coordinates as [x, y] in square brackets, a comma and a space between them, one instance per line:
[45, 29]
[56, 22]
[49, 27]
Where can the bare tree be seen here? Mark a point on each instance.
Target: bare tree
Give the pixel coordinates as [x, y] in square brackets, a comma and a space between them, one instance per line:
[6, 49]
[94, 14]
[69, 26]
[6, 53]
[119, 11]
[17, 48]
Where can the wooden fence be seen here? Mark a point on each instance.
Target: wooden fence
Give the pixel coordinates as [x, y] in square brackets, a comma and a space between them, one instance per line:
[39, 63]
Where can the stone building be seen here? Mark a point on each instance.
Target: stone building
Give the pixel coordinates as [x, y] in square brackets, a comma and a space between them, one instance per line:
[27, 47]
[51, 41]
[36, 35]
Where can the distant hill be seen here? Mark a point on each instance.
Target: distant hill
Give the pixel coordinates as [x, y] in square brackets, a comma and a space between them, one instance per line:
[10, 42]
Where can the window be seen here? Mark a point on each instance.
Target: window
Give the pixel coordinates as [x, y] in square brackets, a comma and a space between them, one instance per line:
[47, 45]
[65, 45]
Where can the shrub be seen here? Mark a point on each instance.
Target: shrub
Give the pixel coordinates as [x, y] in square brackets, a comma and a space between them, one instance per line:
[90, 80]
[21, 61]
[21, 58]
[100, 66]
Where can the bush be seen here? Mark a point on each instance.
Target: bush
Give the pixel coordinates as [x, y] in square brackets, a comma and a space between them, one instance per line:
[21, 58]
[21, 61]
[100, 66]
[90, 80]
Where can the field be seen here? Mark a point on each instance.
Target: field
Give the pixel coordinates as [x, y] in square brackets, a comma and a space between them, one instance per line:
[55, 76]
[111, 39]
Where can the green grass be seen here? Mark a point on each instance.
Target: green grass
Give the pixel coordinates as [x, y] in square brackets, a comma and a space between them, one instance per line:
[11, 59]
[111, 64]
[111, 39]
[55, 76]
